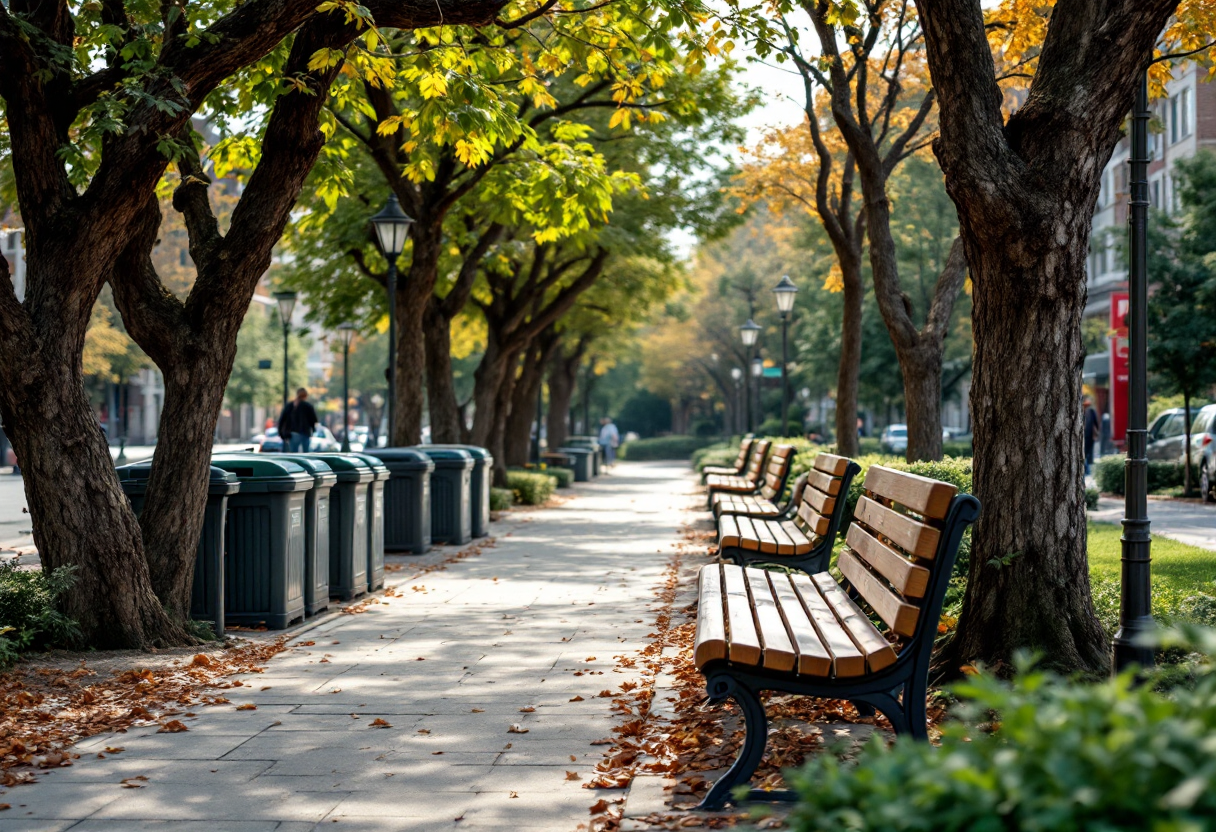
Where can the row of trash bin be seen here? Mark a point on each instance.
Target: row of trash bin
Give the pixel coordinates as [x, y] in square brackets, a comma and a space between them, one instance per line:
[284, 534]
[586, 456]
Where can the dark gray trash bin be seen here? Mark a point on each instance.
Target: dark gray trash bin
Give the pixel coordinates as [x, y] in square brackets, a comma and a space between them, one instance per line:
[451, 497]
[264, 567]
[581, 460]
[479, 486]
[207, 591]
[592, 443]
[317, 536]
[407, 499]
[375, 521]
[348, 524]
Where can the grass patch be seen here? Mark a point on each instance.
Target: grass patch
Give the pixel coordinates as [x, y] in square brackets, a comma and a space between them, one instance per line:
[1184, 578]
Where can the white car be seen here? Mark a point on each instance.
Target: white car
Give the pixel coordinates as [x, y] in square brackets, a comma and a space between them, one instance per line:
[895, 439]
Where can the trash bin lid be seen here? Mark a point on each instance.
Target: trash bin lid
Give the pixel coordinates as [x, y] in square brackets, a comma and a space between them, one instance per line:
[134, 479]
[575, 449]
[349, 467]
[262, 472]
[321, 471]
[378, 467]
[478, 453]
[448, 458]
[403, 459]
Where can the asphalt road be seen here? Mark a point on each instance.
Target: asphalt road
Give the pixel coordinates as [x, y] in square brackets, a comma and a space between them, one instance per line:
[14, 522]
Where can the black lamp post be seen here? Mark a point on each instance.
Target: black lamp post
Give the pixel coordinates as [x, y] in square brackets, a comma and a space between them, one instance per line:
[347, 333]
[392, 226]
[748, 333]
[287, 304]
[757, 374]
[736, 373]
[1135, 595]
[785, 291]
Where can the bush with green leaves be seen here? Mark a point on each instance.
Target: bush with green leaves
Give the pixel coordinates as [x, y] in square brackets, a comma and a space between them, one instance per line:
[501, 499]
[531, 488]
[1091, 498]
[29, 616]
[1038, 753]
[1162, 475]
[564, 476]
[665, 447]
[723, 453]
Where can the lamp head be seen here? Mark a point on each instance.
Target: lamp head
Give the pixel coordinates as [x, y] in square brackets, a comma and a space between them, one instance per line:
[392, 225]
[346, 332]
[785, 291]
[287, 305]
[749, 332]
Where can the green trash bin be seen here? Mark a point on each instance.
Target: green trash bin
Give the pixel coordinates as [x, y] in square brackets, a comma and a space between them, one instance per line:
[479, 486]
[593, 444]
[375, 521]
[348, 524]
[581, 461]
[407, 499]
[318, 548]
[265, 540]
[451, 498]
[207, 591]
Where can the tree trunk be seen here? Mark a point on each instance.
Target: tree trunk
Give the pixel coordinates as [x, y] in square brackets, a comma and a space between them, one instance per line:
[447, 422]
[522, 418]
[488, 379]
[563, 373]
[848, 377]
[79, 514]
[922, 371]
[500, 408]
[1186, 449]
[412, 300]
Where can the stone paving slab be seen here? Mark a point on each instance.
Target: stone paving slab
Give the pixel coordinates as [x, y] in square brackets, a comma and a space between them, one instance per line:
[534, 621]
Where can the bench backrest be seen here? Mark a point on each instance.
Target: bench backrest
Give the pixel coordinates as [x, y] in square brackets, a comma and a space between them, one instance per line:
[901, 548]
[745, 448]
[755, 464]
[777, 471]
[824, 494]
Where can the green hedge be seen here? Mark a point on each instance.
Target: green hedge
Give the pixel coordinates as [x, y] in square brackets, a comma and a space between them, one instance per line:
[29, 614]
[1040, 753]
[564, 476]
[531, 489]
[501, 499]
[666, 447]
[1108, 472]
[722, 454]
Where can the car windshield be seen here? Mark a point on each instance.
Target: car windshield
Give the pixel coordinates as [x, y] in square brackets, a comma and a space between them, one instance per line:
[898, 431]
[1203, 421]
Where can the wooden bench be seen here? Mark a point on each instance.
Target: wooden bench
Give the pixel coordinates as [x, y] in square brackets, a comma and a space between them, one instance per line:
[753, 505]
[804, 538]
[810, 635]
[776, 474]
[745, 448]
[745, 483]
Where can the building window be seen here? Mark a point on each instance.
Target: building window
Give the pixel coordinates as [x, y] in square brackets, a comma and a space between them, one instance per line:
[1175, 196]
[1180, 116]
[1154, 194]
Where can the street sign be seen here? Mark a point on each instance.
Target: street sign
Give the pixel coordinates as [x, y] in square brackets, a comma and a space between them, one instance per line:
[1119, 307]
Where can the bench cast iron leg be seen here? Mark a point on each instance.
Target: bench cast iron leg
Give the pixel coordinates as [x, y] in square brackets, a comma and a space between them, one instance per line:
[914, 706]
[721, 686]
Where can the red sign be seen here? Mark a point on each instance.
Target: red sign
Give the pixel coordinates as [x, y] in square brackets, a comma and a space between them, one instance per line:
[1118, 366]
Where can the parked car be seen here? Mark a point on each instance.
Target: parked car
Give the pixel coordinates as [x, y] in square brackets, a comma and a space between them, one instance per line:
[894, 439]
[1203, 451]
[323, 440]
[269, 442]
[1167, 435]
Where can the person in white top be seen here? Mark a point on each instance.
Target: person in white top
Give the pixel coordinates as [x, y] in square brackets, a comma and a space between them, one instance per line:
[610, 438]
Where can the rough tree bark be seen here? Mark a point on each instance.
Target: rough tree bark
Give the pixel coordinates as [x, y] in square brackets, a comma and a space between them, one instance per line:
[563, 374]
[522, 418]
[878, 148]
[1025, 192]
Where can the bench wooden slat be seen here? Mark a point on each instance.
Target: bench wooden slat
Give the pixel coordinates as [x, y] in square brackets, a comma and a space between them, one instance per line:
[821, 502]
[907, 578]
[802, 543]
[748, 538]
[900, 616]
[744, 642]
[847, 659]
[824, 482]
[814, 659]
[912, 536]
[778, 651]
[785, 546]
[927, 497]
[764, 535]
[877, 650]
[815, 522]
[728, 531]
[831, 464]
[711, 624]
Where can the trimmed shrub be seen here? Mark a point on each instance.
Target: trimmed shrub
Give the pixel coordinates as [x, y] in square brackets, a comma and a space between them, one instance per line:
[564, 476]
[501, 499]
[666, 447]
[1042, 752]
[715, 455]
[1162, 475]
[531, 489]
[954, 447]
[1091, 498]
[29, 617]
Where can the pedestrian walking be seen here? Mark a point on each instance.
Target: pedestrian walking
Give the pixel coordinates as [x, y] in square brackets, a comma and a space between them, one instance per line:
[296, 423]
[1092, 431]
[610, 438]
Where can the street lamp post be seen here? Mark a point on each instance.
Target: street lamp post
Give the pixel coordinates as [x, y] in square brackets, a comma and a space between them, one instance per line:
[757, 374]
[748, 333]
[392, 226]
[785, 291]
[1135, 595]
[737, 374]
[346, 332]
[287, 305]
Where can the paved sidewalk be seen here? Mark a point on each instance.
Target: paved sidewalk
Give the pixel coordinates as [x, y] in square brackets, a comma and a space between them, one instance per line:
[1188, 522]
[506, 638]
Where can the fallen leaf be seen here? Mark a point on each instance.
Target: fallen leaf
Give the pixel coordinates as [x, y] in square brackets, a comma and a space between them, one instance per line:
[512, 794]
[602, 742]
[478, 711]
[378, 723]
[424, 730]
[591, 658]
[265, 687]
[572, 775]
[516, 728]
[577, 699]
[605, 694]
[529, 709]
[248, 706]
[4, 806]
[173, 726]
[201, 661]
[133, 782]
[600, 805]
[461, 817]
[436, 753]
[115, 750]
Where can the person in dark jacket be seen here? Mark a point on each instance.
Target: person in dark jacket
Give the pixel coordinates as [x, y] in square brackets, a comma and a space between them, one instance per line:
[1092, 432]
[296, 423]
